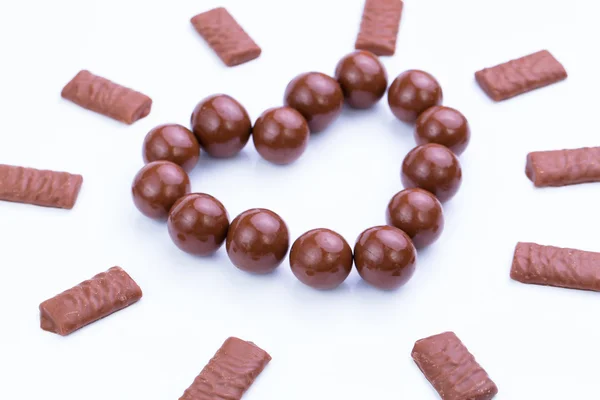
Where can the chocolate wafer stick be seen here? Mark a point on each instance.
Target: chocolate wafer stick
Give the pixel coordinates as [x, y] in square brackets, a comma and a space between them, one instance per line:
[39, 187]
[89, 301]
[521, 75]
[555, 266]
[379, 27]
[229, 373]
[452, 369]
[226, 37]
[107, 98]
[563, 167]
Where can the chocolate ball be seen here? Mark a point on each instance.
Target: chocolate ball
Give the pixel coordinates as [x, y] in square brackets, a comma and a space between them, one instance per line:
[257, 241]
[280, 135]
[385, 257]
[221, 125]
[321, 258]
[157, 186]
[198, 224]
[418, 214]
[317, 97]
[413, 92]
[432, 167]
[173, 143]
[362, 77]
[445, 126]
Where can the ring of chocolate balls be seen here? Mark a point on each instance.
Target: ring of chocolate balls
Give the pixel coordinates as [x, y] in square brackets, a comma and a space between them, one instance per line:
[257, 240]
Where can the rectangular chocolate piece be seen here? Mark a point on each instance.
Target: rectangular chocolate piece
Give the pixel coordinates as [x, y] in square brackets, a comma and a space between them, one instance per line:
[555, 266]
[229, 373]
[89, 301]
[520, 76]
[39, 187]
[451, 369]
[107, 98]
[379, 27]
[563, 167]
[226, 37]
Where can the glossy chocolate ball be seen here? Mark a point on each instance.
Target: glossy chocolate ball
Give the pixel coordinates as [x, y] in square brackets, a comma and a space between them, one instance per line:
[157, 186]
[280, 135]
[318, 97]
[173, 143]
[432, 167]
[221, 125]
[257, 241]
[198, 224]
[413, 92]
[321, 258]
[385, 257]
[445, 126]
[418, 214]
[363, 79]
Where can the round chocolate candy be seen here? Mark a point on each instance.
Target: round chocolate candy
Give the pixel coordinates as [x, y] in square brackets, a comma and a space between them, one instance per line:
[280, 135]
[385, 257]
[221, 125]
[418, 214]
[432, 167]
[318, 97]
[257, 241]
[445, 126]
[198, 224]
[321, 258]
[157, 186]
[413, 92]
[172, 142]
[362, 77]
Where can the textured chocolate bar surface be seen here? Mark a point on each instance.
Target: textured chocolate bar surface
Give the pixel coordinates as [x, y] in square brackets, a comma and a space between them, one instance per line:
[226, 37]
[379, 27]
[555, 266]
[520, 76]
[89, 301]
[563, 167]
[107, 98]
[39, 187]
[229, 373]
[451, 368]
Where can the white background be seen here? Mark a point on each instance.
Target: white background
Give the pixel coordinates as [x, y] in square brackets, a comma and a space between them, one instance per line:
[351, 343]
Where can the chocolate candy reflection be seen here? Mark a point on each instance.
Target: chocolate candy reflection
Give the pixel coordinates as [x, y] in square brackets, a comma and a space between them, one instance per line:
[172, 142]
[363, 79]
[445, 126]
[413, 92]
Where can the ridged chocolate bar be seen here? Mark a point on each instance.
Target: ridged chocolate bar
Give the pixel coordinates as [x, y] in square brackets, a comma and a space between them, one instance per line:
[89, 301]
[379, 27]
[107, 98]
[520, 76]
[229, 373]
[563, 167]
[555, 266]
[226, 37]
[451, 369]
[39, 187]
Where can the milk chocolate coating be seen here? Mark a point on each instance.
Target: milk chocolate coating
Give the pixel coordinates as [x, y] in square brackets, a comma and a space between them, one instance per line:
[321, 258]
[198, 224]
[413, 92]
[89, 301]
[172, 142]
[363, 79]
[157, 186]
[280, 135]
[445, 126]
[432, 167]
[451, 368]
[418, 213]
[385, 257]
[221, 125]
[379, 26]
[563, 167]
[257, 241]
[318, 97]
